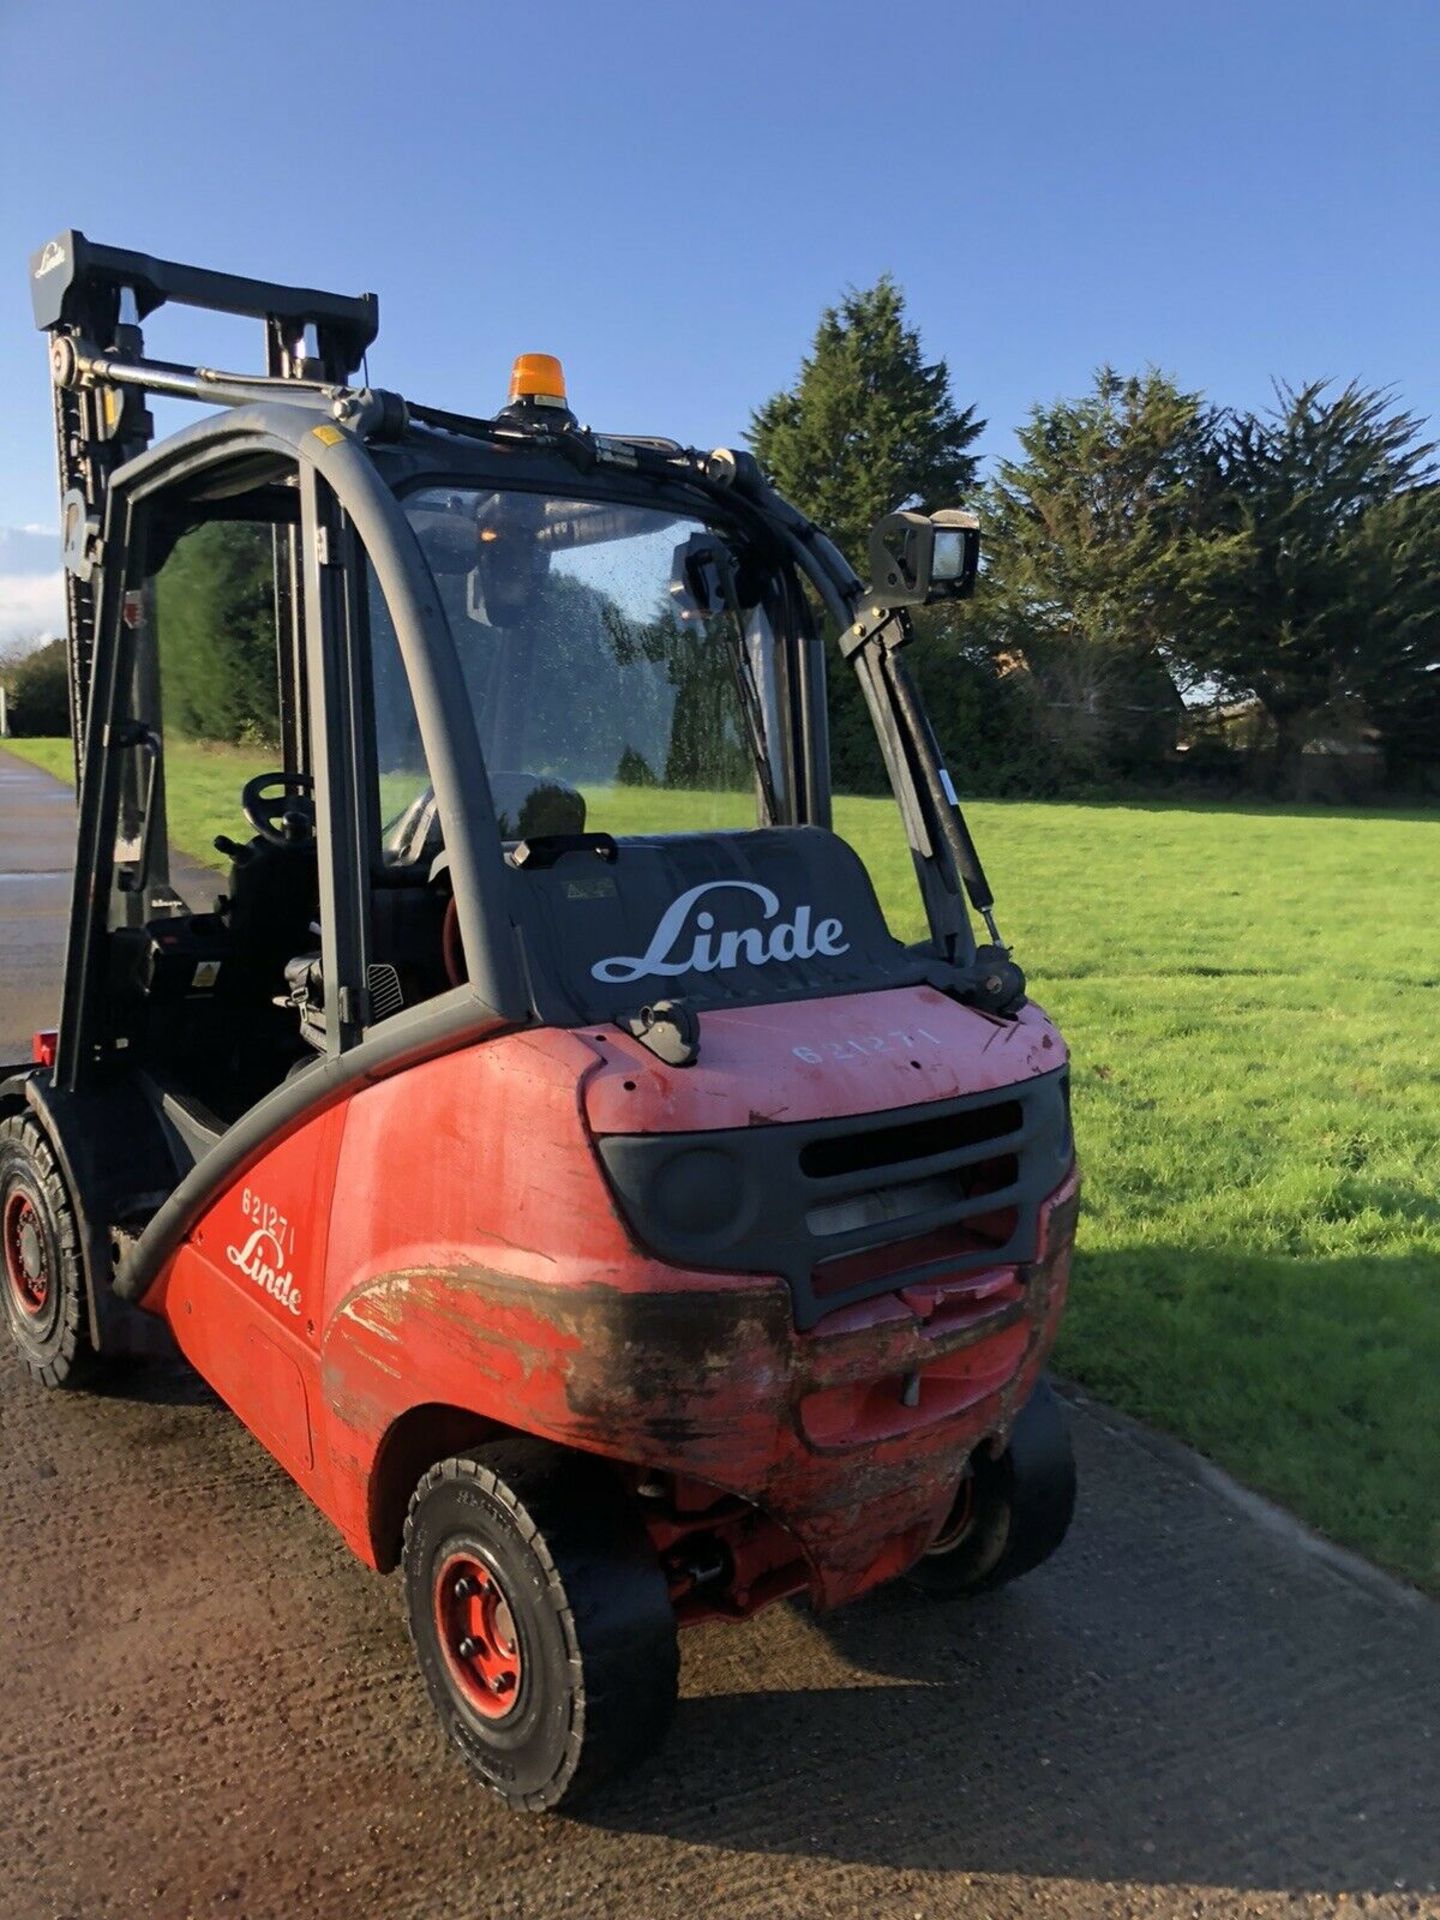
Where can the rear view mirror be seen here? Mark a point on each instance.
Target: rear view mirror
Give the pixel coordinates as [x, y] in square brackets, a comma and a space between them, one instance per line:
[697, 577]
[918, 558]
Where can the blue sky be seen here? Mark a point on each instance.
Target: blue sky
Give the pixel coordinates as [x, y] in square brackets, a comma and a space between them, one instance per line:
[667, 194]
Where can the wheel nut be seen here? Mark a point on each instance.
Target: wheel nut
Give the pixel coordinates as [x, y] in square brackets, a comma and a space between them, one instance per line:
[468, 1648]
[464, 1587]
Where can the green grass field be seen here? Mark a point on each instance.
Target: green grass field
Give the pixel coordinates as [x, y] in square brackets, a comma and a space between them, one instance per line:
[1251, 996]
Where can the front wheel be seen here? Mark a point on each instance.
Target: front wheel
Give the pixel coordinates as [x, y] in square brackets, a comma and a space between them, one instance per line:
[541, 1620]
[1010, 1512]
[45, 1306]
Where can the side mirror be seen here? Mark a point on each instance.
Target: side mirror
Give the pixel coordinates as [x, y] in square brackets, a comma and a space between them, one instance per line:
[918, 558]
[697, 583]
[707, 575]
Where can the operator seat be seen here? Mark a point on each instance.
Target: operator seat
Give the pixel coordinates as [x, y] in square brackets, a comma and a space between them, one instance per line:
[270, 910]
[209, 982]
[274, 902]
[526, 806]
[411, 910]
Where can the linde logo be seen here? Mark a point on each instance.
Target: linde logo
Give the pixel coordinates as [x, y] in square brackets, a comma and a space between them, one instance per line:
[262, 1259]
[682, 944]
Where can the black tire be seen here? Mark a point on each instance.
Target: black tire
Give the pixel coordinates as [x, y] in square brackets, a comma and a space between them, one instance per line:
[580, 1648]
[46, 1309]
[1011, 1513]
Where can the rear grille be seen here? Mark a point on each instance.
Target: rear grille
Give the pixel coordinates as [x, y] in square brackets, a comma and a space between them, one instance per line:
[924, 1257]
[918, 1193]
[911, 1140]
[849, 1208]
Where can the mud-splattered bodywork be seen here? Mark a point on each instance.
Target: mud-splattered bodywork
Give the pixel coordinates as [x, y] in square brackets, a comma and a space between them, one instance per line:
[446, 1246]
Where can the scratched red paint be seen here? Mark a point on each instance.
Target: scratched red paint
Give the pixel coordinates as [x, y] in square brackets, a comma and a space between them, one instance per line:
[450, 1255]
[929, 1048]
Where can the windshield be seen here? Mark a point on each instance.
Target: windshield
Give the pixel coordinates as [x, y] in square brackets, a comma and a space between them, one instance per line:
[611, 685]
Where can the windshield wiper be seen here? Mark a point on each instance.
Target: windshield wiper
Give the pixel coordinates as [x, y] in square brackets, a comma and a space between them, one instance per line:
[746, 685]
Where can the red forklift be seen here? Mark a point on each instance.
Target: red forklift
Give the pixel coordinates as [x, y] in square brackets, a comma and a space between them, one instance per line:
[543, 1143]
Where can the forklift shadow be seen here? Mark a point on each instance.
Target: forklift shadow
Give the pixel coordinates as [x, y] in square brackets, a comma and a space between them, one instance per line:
[900, 1633]
[983, 1764]
[1163, 1703]
[155, 1380]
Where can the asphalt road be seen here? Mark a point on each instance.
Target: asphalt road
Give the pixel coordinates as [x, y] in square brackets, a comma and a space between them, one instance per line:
[207, 1708]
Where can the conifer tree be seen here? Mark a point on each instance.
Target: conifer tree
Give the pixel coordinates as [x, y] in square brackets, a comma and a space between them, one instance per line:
[869, 425]
[1095, 539]
[1324, 588]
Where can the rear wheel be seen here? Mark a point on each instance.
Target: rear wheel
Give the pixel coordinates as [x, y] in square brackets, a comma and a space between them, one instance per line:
[44, 1286]
[541, 1620]
[1010, 1513]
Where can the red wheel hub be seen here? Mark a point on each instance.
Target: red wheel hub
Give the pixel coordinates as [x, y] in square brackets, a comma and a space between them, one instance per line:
[960, 1521]
[478, 1635]
[26, 1267]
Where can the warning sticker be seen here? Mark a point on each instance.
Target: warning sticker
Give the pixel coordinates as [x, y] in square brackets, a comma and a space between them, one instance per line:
[206, 973]
[328, 434]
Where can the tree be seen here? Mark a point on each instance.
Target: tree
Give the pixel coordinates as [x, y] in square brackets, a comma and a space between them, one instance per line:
[868, 426]
[1324, 586]
[699, 726]
[215, 607]
[37, 684]
[1393, 663]
[1095, 537]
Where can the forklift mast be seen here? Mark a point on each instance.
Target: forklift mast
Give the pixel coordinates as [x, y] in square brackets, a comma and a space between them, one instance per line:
[91, 300]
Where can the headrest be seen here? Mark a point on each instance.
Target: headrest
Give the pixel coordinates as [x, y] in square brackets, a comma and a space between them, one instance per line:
[528, 805]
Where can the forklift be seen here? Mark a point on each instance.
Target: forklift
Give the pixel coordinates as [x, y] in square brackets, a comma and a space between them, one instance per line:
[543, 1143]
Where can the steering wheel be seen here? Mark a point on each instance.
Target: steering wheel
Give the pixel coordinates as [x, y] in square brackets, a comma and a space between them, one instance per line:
[285, 817]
